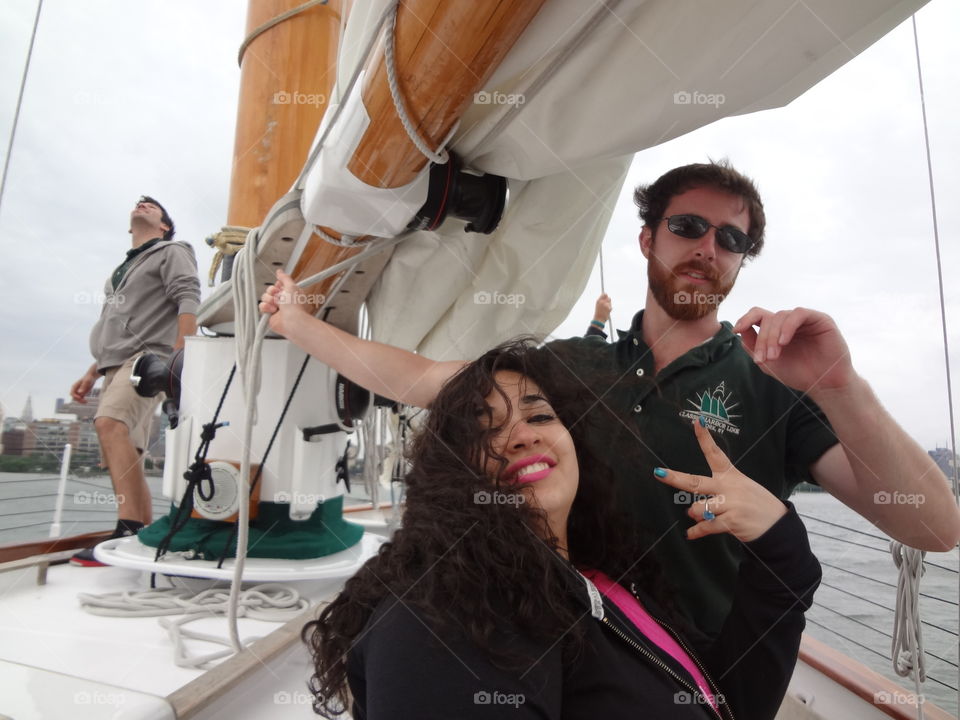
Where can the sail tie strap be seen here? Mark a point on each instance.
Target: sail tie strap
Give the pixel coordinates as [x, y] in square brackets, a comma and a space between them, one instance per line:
[227, 242]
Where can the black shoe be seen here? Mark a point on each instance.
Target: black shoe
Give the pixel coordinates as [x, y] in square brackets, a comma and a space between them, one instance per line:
[85, 558]
[125, 528]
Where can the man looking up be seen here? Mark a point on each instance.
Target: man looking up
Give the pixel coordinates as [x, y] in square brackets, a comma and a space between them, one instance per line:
[782, 399]
[150, 305]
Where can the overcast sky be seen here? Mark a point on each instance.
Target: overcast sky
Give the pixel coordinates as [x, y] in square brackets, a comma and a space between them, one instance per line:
[136, 96]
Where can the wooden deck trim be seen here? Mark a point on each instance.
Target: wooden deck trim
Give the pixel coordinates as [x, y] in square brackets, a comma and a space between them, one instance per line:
[9, 553]
[213, 684]
[863, 682]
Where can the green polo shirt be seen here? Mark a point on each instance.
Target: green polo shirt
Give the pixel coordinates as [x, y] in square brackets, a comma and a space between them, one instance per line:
[117, 277]
[770, 432]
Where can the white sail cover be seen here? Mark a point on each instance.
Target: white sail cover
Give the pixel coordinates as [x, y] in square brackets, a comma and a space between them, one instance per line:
[587, 86]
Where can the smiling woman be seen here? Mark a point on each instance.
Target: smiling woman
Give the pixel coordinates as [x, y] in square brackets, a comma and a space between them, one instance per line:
[514, 580]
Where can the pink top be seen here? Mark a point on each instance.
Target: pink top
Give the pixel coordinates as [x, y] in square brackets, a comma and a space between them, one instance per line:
[632, 608]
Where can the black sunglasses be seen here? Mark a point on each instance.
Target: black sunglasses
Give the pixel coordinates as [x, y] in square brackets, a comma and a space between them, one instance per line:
[695, 227]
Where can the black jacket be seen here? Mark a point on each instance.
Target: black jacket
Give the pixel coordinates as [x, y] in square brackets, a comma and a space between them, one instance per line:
[400, 669]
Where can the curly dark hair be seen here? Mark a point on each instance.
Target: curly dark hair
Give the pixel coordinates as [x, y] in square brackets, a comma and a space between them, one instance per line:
[442, 561]
[652, 200]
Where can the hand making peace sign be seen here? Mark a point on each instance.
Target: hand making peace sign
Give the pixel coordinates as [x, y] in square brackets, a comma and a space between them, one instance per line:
[735, 503]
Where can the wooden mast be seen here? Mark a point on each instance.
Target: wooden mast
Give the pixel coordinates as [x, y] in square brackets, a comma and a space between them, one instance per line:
[286, 76]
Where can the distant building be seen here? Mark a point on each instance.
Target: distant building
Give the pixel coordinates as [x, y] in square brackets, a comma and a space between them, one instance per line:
[85, 411]
[46, 437]
[27, 414]
[85, 444]
[1, 431]
[13, 439]
[945, 460]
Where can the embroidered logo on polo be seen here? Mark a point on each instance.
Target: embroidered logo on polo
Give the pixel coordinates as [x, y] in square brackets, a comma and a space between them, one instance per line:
[716, 406]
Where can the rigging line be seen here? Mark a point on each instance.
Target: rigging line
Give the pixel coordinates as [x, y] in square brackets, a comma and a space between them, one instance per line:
[881, 632]
[848, 542]
[16, 114]
[936, 245]
[880, 605]
[867, 647]
[844, 527]
[926, 563]
[882, 582]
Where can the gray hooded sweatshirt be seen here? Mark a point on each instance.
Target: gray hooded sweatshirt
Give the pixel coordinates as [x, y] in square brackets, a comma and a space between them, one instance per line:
[141, 314]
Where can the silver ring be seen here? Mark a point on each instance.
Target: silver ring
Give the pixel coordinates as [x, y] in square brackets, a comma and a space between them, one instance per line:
[707, 515]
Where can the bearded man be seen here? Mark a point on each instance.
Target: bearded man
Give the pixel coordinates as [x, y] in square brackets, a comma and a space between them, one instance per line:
[778, 391]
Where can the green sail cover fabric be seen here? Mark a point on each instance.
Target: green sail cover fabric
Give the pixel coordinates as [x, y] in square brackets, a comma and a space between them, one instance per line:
[272, 534]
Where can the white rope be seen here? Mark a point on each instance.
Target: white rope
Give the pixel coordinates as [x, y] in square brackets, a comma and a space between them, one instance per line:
[268, 602]
[389, 17]
[439, 157]
[248, 336]
[273, 22]
[907, 645]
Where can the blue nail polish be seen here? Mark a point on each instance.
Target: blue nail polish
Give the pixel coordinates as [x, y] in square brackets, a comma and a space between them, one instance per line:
[660, 472]
[703, 421]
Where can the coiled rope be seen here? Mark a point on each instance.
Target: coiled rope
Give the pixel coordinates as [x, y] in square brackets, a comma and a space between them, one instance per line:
[269, 602]
[906, 648]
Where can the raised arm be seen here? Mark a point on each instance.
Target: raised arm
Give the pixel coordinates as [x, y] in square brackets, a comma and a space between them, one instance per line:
[753, 657]
[386, 370]
[877, 469]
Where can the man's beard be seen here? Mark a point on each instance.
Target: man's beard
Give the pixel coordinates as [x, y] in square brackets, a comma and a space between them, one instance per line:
[683, 300]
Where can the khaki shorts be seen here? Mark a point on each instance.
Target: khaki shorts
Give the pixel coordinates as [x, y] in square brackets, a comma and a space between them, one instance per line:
[119, 401]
